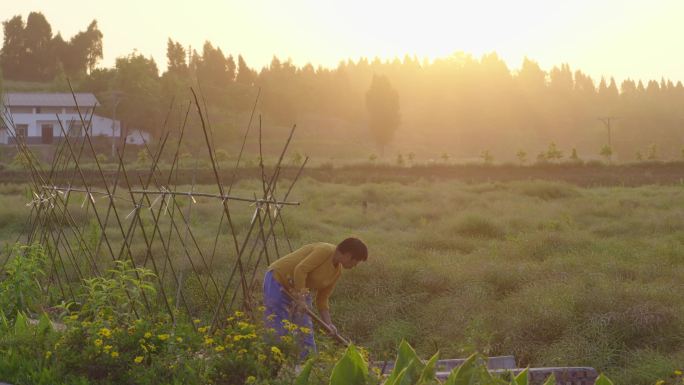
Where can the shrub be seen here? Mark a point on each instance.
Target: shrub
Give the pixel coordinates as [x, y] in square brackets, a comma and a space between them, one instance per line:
[478, 227]
[21, 288]
[548, 190]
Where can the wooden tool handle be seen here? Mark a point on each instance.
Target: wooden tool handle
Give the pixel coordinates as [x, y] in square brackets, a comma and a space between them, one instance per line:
[322, 323]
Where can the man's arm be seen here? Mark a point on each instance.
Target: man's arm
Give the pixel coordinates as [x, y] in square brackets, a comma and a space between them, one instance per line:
[323, 305]
[325, 316]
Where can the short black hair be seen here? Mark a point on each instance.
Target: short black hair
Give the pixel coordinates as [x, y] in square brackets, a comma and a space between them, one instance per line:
[355, 247]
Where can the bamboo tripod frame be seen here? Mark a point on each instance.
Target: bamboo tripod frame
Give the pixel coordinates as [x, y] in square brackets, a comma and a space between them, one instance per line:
[146, 218]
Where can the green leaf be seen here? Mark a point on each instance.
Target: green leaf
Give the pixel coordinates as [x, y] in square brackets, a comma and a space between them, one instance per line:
[303, 377]
[351, 369]
[3, 318]
[405, 356]
[522, 378]
[20, 325]
[44, 324]
[466, 374]
[551, 380]
[412, 373]
[399, 378]
[428, 374]
[603, 380]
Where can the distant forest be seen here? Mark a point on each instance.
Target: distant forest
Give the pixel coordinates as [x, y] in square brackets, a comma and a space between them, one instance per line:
[458, 104]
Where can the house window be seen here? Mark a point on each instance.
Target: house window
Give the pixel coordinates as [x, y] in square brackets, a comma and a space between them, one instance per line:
[37, 110]
[21, 131]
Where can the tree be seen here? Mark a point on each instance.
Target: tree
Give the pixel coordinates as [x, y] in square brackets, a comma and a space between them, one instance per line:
[553, 153]
[245, 75]
[382, 102]
[39, 60]
[522, 156]
[213, 70]
[14, 48]
[487, 157]
[574, 157]
[137, 77]
[607, 152]
[175, 54]
[85, 51]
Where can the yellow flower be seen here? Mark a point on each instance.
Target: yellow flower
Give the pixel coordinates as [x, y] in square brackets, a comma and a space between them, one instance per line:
[261, 308]
[243, 325]
[229, 319]
[261, 357]
[163, 337]
[203, 329]
[250, 380]
[239, 313]
[219, 348]
[196, 321]
[242, 351]
[277, 354]
[660, 382]
[73, 317]
[107, 348]
[286, 339]
[48, 354]
[138, 359]
[104, 332]
[115, 354]
[98, 342]
[148, 335]
[305, 330]
[179, 339]
[208, 341]
[677, 372]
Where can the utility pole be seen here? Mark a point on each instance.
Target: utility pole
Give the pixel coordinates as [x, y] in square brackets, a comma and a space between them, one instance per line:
[117, 95]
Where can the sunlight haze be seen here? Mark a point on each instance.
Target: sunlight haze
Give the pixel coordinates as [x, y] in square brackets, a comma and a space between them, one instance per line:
[607, 38]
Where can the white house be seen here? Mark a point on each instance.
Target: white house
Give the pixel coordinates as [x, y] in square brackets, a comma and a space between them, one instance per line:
[35, 117]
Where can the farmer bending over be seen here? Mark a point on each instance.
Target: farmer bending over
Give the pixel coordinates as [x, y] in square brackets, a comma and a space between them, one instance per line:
[316, 266]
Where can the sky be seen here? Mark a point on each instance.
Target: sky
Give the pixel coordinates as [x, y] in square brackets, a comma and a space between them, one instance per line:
[620, 38]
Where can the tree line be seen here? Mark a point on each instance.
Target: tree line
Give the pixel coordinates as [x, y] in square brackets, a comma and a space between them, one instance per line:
[31, 53]
[458, 104]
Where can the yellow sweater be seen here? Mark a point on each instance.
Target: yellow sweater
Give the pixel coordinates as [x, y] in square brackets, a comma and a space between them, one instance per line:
[309, 267]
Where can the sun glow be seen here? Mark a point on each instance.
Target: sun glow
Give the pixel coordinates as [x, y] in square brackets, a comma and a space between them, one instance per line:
[601, 38]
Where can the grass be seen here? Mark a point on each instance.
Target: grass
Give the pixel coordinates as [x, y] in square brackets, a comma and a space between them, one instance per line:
[552, 273]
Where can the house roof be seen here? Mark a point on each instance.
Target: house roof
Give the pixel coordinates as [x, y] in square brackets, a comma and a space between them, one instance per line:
[38, 99]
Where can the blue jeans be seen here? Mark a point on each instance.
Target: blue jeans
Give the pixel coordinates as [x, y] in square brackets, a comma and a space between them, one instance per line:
[279, 307]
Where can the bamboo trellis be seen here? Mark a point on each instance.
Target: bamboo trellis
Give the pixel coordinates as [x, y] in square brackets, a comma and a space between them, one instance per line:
[146, 218]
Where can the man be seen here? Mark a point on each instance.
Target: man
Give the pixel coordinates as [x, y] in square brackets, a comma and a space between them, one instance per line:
[316, 266]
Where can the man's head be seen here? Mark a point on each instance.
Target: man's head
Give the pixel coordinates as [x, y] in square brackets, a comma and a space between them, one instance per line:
[351, 251]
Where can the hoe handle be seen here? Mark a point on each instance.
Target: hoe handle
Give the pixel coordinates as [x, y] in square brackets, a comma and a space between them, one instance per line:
[320, 322]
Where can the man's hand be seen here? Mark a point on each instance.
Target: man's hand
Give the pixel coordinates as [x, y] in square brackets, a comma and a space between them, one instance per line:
[325, 316]
[299, 302]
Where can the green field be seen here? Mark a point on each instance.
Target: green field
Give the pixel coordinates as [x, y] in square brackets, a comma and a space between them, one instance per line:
[549, 272]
